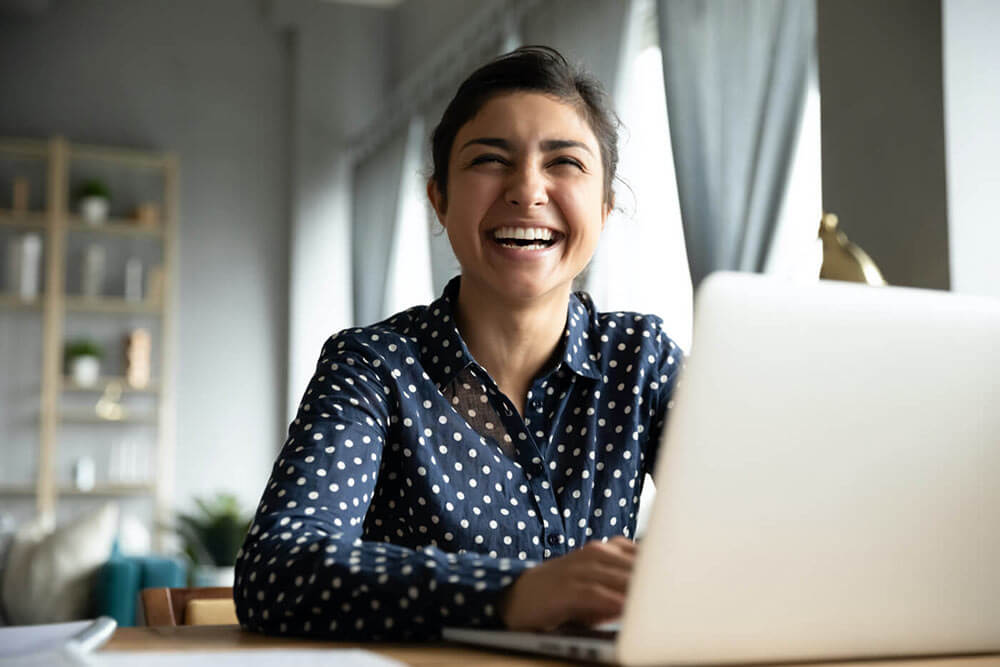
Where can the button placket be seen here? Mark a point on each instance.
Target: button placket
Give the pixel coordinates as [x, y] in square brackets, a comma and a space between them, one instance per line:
[529, 455]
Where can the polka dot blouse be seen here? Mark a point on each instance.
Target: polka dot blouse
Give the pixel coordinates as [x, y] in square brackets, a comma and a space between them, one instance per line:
[410, 492]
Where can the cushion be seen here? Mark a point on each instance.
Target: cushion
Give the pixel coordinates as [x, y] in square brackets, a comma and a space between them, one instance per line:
[210, 612]
[118, 583]
[50, 572]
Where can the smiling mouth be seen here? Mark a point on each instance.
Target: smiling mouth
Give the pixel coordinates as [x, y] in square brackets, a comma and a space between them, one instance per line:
[526, 238]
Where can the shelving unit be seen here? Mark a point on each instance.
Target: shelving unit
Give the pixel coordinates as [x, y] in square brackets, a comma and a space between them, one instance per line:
[57, 225]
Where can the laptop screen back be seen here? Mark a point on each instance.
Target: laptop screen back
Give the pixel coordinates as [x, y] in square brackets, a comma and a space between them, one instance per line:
[829, 481]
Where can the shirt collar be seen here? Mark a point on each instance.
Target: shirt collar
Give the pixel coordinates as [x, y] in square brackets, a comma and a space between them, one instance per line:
[581, 345]
[445, 353]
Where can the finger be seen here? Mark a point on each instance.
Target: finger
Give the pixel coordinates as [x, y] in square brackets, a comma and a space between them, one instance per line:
[596, 602]
[612, 555]
[625, 544]
[613, 578]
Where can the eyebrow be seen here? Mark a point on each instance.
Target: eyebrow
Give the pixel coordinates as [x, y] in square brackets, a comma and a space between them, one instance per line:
[547, 145]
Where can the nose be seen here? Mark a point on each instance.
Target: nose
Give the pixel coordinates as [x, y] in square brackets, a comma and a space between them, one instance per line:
[527, 187]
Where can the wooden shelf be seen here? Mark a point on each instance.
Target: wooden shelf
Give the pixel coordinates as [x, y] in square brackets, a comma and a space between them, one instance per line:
[14, 301]
[116, 227]
[90, 417]
[102, 385]
[121, 156]
[28, 148]
[99, 490]
[17, 489]
[109, 489]
[82, 304]
[25, 220]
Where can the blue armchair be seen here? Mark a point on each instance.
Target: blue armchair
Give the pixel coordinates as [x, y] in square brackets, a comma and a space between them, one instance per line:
[122, 577]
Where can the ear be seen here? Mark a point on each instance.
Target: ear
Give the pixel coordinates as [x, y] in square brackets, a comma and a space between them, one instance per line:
[436, 199]
[608, 207]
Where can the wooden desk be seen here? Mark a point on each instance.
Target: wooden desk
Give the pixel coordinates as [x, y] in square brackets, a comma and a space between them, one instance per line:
[231, 637]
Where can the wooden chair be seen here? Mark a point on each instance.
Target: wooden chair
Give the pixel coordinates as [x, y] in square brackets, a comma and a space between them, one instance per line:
[188, 606]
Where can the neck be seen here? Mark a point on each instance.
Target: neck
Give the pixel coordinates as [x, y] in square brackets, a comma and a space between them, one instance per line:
[512, 340]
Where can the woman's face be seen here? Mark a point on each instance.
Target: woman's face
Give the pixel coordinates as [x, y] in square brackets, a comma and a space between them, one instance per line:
[525, 197]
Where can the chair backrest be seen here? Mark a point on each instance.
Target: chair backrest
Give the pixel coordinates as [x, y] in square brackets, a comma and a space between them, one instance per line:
[188, 606]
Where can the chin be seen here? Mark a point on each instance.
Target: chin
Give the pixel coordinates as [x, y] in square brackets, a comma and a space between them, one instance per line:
[526, 289]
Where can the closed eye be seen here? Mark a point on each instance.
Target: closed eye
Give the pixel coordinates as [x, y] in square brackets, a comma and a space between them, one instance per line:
[487, 158]
[565, 160]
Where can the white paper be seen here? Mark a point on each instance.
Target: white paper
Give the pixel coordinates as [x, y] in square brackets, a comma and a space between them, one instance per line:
[18, 640]
[242, 658]
[64, 657]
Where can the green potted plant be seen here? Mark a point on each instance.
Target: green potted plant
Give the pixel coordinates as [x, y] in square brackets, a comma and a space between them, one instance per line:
[94, 200]
[83, 361]
[212, 536]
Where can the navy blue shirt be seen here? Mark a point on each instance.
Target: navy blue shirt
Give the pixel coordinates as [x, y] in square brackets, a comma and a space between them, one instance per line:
[410, 492]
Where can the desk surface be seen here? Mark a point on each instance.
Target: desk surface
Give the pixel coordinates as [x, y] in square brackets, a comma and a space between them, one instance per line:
[231, 637]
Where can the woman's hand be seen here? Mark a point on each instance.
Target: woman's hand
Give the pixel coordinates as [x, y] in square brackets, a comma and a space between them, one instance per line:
[586, 587]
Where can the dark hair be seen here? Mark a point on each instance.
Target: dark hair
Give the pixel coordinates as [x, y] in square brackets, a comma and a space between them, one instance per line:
[534, 69]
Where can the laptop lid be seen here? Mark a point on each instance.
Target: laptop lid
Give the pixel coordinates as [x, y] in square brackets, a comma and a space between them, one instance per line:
[829, 482]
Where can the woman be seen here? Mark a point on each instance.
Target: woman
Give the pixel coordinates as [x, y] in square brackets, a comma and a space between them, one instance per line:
[477, 461]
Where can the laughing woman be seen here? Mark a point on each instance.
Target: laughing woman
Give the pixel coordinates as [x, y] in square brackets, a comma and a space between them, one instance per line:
[477, 461]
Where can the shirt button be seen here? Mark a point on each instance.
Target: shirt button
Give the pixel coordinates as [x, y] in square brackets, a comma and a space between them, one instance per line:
[553, 540]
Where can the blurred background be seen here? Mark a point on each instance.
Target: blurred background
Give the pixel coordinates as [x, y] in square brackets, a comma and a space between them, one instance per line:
[263, 165]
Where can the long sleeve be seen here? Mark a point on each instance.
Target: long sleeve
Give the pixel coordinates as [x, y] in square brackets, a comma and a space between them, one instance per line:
[669, 361]
[306, 567]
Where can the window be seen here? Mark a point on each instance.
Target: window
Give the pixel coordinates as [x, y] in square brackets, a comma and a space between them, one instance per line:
[796, 252]
[408, 282]
[641, 262]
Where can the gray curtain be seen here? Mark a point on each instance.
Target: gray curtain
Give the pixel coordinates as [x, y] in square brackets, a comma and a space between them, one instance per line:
[588, 32]
[736, 76]
[373, 226]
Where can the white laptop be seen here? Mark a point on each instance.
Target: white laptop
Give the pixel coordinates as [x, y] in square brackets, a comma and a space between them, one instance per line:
[828, 486]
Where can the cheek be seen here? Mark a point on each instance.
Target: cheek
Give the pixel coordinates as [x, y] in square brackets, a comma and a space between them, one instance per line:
[583, 211]
[470, 197]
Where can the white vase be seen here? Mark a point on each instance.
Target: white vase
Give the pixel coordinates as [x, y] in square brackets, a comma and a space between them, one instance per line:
[213, 575]
[94, 210]
[92, 280]
[85, 370]
[24, 254]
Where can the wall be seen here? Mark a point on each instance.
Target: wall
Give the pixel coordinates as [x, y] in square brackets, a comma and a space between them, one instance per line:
[419, 27]
[340, 66]
[207, 80]
[972, 110]
[883, 133]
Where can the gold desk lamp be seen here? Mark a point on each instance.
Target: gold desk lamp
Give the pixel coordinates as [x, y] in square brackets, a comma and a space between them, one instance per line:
[844, 260]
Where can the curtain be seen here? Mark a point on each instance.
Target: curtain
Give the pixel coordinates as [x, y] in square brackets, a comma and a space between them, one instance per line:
[588, 32]
[735, 75]
[641, 263]
[373, 224]
[444, 264]
[408, 282]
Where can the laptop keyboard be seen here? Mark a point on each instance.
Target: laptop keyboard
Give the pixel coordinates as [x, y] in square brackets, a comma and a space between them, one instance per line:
[607, 632]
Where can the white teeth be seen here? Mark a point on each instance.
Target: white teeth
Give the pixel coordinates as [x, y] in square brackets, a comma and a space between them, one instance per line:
[525, 233]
